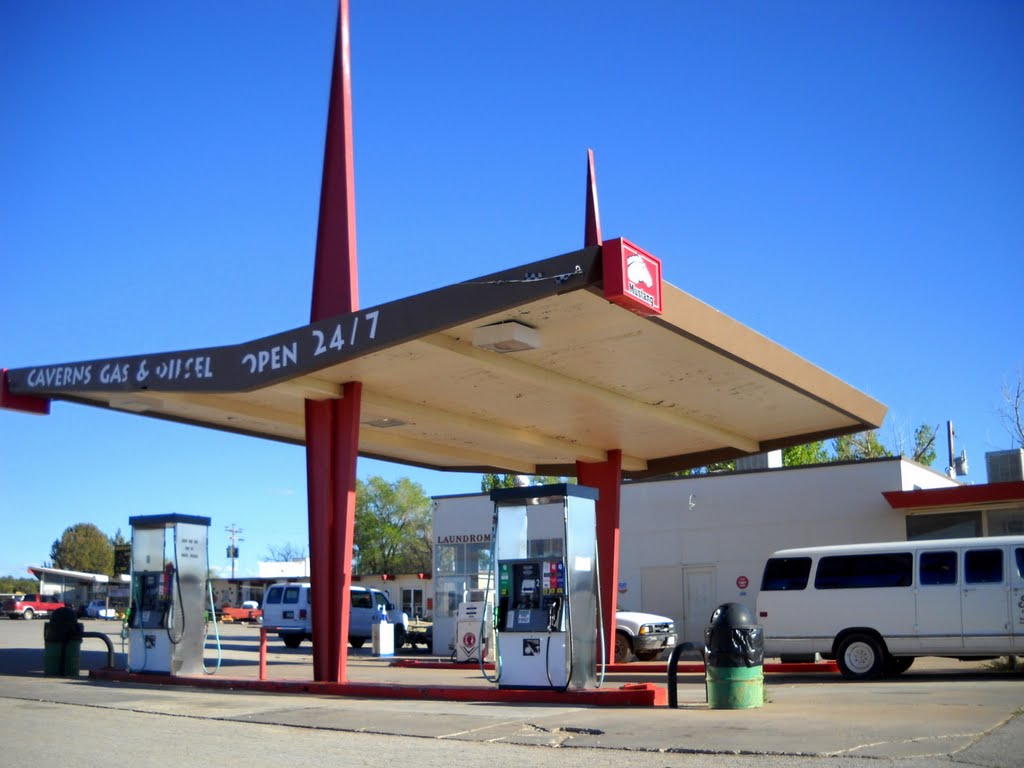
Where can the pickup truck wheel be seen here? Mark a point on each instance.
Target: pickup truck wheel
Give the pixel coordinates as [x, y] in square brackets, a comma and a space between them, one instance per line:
[28, 614]
[860, 657]
[399, 636]
[292, 641]
[623, 648]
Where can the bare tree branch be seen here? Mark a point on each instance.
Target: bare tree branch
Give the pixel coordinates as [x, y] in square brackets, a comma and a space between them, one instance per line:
[1010, 412]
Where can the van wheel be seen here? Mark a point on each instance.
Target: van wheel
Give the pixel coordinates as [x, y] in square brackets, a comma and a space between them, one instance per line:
[399, 636]
[356, 642]
[623, 648]
[860, 657]
[292, 641]
[897, 665]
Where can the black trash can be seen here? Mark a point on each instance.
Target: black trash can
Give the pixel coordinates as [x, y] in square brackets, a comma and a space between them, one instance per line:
[734, 658]
[62, 643]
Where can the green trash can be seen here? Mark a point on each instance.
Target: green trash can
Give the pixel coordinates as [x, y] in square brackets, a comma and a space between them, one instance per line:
[62, 644]
[734, 659]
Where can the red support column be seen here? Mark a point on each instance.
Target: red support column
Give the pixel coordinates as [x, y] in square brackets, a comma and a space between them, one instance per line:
[319, 486]
[346, 452]
[606, 476]
[332, 426]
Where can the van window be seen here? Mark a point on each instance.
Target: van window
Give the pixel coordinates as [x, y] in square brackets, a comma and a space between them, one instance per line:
[890, 569]
[274, 595]
[782, 573]
[361, 600]
[1020, 562]
[291, 595]
[983, 566]
[938, 568]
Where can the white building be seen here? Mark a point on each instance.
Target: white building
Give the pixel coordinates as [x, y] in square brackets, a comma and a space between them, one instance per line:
[690, 544]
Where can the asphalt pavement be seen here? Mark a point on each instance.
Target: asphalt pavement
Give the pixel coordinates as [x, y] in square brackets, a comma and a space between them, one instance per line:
[940, 711]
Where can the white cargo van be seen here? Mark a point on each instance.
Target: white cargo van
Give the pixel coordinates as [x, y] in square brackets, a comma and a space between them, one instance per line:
[875, 607]
[288, 611]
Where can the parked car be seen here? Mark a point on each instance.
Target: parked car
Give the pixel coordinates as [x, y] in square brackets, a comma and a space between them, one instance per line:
[646, 635]
[98, 609]
[30, 606]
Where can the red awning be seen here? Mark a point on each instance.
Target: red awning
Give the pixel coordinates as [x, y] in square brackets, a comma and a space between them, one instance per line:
[963, 495]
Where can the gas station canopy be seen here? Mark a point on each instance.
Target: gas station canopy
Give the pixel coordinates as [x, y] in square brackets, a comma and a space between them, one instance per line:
[524, 371]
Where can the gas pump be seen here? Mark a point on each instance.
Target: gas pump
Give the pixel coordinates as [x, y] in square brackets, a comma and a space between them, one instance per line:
[166, 622]
[546, 613]
[472, 644]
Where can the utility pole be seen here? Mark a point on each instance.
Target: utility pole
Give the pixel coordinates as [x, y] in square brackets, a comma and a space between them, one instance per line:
[232, 547]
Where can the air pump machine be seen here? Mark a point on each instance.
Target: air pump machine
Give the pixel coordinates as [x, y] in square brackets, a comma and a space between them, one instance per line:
[167, 621]
[546, 612]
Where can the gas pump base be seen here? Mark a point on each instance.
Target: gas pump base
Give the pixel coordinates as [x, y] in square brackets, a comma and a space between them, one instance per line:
[630, 695]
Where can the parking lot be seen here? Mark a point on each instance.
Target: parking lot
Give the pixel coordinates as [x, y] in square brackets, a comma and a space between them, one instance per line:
[965, 711]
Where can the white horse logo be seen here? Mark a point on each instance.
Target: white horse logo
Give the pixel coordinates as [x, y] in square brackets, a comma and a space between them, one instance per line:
[637, 271]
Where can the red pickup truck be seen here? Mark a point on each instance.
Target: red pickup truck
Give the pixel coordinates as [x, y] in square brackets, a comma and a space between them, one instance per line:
[30, 606]
[250, 611]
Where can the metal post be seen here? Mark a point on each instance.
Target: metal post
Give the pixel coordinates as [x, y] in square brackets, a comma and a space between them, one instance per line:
[263, 653]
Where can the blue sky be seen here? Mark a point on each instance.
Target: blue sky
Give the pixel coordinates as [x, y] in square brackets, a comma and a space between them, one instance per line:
[843, 177]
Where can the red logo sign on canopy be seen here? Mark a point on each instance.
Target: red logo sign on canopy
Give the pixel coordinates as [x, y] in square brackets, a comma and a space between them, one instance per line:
[632, 277]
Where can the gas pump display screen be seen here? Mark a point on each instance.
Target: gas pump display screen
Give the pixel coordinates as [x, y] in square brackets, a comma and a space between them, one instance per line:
[530, 595]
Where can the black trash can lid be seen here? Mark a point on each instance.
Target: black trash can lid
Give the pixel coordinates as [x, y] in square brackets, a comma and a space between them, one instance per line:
[734, 615]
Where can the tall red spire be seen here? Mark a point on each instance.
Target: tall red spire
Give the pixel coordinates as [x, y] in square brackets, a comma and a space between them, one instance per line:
[592, 228]
[335, 275]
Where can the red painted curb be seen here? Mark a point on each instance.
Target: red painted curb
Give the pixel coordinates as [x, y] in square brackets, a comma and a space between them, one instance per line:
[635, 695]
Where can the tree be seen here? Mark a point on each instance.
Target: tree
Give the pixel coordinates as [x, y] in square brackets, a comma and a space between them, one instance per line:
[393, 527]
[489, 482]
[863, 445]
[286, 553]
[924, 445]
[11, 585]
[801, 455]
[708, 469]
[83, 547]
[1011, 411]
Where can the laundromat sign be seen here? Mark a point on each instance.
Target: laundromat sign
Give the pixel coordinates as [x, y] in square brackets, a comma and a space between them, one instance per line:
[632, 277]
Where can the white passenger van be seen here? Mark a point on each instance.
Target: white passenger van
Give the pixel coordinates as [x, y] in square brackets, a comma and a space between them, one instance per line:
[287, 610]
[875, 607]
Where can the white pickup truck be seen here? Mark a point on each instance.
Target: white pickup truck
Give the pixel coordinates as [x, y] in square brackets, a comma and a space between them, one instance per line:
[288, 611]
[646, 635]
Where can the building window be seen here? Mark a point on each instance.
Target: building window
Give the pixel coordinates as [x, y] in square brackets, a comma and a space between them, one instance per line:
[1006, 522]
[949, 525]
[412, 603]
[461, 568]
